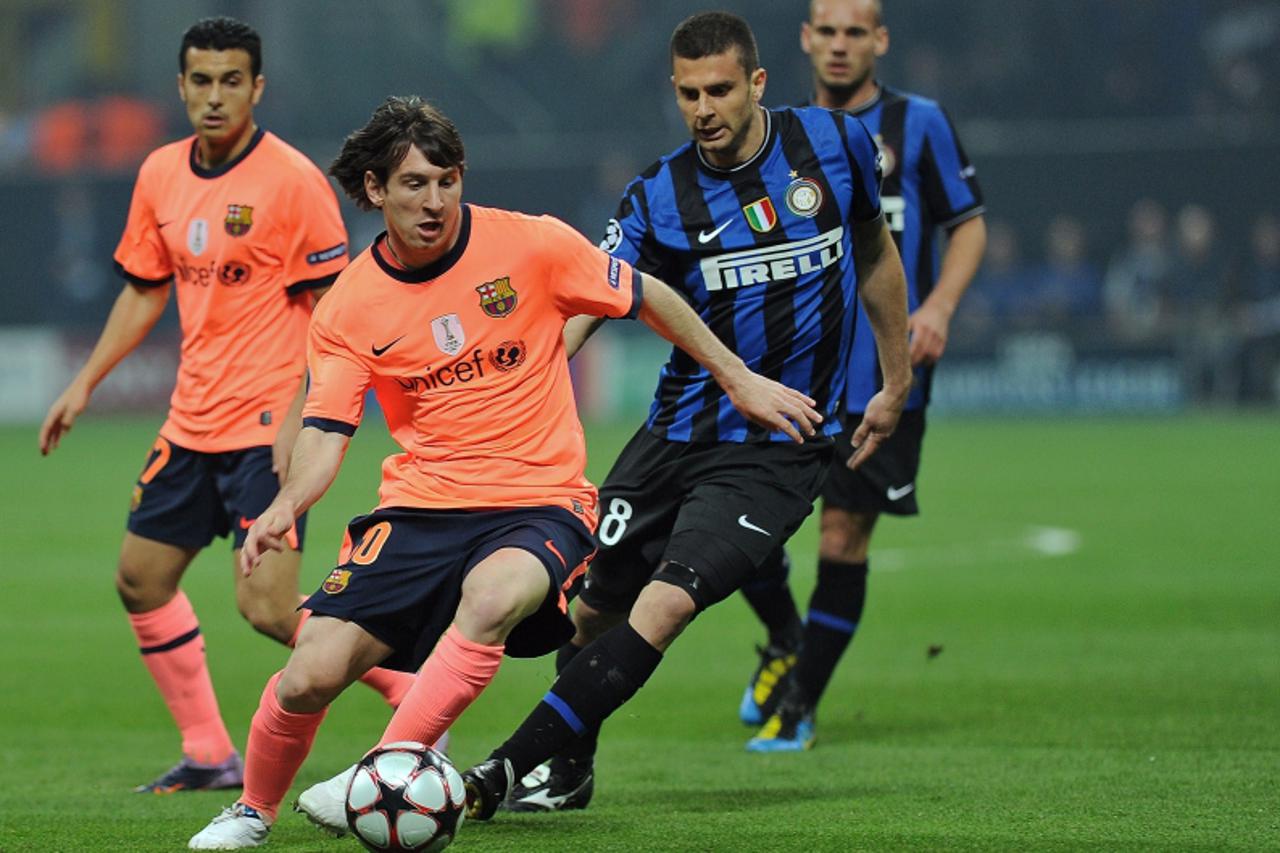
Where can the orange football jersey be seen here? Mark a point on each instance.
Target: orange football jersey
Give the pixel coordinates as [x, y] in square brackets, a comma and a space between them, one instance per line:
[467, 359]
[243, 243]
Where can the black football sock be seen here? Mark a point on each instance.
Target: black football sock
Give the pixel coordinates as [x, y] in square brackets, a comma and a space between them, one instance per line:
[597, 682]
[580, 752]
[769, 595]
[834, 612]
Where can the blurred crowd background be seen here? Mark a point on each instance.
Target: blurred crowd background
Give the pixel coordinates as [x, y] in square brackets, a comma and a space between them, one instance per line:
[1129, 151]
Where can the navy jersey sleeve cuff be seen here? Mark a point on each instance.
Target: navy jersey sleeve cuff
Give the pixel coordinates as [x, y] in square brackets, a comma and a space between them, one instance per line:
[330, 425]
[637, 294]
[310, 284]
[139, 280]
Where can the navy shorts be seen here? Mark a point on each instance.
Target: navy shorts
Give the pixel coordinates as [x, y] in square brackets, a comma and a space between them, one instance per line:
[401, 571]
[885, 483]
[186, 498]
[719, 509]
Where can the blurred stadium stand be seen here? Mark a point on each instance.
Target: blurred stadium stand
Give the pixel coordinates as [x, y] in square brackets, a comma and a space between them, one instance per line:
[1129, 152]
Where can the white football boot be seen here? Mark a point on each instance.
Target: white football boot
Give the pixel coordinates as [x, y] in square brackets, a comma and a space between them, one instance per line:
[238, 827]
[325, 803]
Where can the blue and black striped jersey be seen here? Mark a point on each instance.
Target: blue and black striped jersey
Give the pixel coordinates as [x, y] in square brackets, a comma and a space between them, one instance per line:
[928, 183]
[764, 253]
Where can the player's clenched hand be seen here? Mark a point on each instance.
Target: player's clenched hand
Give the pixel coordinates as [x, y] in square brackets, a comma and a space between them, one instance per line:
[928, 326]
[878, 423]
[61, 416]
[774, 405]
[267, 533]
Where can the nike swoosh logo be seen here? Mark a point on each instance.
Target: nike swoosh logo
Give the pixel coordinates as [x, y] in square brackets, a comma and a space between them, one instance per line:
[246, 523]
[380, 350]
[894, 494]
[704, 237]
[742, 522]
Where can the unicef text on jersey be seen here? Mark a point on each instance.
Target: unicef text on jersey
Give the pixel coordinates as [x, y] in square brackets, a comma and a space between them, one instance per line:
[773, 263]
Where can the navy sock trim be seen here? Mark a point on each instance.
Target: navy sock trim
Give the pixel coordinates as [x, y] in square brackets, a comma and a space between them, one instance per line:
[172, 644]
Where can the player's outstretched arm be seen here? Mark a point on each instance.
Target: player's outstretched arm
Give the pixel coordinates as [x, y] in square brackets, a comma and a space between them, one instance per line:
[577, 330]
[287, 435]
[317, 456]
[882, 286]
[762, 401]
[135, 312]
[929, 324]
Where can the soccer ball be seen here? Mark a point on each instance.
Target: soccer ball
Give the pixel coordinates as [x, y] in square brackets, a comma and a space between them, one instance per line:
[405, 797]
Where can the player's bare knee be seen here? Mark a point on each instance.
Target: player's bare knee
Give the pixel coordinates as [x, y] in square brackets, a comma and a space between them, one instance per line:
[140, 592]
[495, 602]
[274, 622]
[591, 623]
[304, 690]
[845, 536]
[662, 612]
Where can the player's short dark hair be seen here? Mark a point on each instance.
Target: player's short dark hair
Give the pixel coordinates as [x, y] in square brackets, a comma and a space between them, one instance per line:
[380, 145]
[712, 33]
[222, 33]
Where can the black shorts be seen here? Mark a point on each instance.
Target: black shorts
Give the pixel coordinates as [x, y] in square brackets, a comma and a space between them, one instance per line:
[401, 570]
[718, 508]
[885, 483]
[186, 498]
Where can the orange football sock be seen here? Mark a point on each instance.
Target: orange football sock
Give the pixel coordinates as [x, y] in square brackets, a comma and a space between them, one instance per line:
[278, 744]
[392, 684]
[173, 651]
[455, 674]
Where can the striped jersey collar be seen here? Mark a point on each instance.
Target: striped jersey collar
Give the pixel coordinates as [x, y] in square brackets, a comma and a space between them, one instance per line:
[753, 159]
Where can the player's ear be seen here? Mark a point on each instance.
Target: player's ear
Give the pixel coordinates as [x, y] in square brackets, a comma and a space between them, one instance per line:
[259, 83]
[882, 41]
[373, 189]
[804, 36]
[758, 78]
[182, 92]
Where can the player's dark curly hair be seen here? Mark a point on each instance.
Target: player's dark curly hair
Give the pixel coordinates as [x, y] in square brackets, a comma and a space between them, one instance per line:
[381, 144]
[710, 33]
[222, 33]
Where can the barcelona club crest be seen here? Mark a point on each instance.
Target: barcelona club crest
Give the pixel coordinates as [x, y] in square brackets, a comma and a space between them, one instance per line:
[497, 298]
[337, 581]
[760, 215]
[239, 219]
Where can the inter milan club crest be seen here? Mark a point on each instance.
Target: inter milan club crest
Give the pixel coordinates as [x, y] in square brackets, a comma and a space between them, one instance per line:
[337, 581]
[888, 159]
[448, 332]
[804, 197]
[239, 219]
[497, 298]
[197, 236]
[760, 215]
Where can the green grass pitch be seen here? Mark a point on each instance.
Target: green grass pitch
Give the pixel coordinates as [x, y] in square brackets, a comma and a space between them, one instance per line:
[1106, 594]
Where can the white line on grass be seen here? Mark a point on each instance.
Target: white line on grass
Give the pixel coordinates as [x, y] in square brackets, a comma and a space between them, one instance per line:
[1038, 542]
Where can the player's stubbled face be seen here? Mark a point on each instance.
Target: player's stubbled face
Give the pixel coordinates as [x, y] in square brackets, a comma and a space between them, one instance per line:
[220, 92]
[718, 103]
[843, 39]
[422, 204]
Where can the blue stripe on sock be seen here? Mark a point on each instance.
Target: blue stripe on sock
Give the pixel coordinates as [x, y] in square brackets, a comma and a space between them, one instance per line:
[564, 711]
[835, 623]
